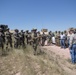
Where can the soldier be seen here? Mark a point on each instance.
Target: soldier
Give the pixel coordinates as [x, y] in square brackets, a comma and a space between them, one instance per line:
[8, 38]
[43, 39]
[16, 38]
[72, 45]
[1, 41]
[66, 38]
[26, 35]
[56, 38]
[50, 37]
[22, 38]
[39, 37]
[35, 40]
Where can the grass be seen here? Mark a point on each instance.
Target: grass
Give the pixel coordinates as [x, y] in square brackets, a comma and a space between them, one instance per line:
[23, 62]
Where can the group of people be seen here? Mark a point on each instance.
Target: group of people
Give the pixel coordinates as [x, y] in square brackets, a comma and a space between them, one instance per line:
[66, 39]
[20, 38]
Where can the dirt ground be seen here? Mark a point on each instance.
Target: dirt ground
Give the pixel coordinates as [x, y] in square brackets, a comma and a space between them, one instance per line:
[64, 53]
[51, 60]
[63, 57]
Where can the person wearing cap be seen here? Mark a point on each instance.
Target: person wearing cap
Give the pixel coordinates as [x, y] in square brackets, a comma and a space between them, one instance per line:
[8, 38]
[1, 41]
[72, 45]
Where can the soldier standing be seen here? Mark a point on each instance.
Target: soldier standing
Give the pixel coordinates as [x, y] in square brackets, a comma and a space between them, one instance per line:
[43, 39]
[16, 38]
[26, 35]
[35, 40]
[1, 41]
[50, 37]
[22, 38]
[8, 38]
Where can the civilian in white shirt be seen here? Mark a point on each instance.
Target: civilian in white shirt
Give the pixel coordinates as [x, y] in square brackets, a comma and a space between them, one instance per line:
[62, 40]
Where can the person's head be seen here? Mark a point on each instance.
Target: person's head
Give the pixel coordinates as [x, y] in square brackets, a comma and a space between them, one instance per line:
[16, 30]
[55, 31]
[21, 30]
[61, 33]
[71, 31]
[65, 31]
[27, 31]
[38, 32]
[34, 30]
[8, 29]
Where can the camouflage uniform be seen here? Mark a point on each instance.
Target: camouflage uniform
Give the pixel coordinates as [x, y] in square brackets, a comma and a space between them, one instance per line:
[27, 36]
[57, 37]
[1, 41]
[8, 38]
[39, 38]
[22, 38]
[35, 41]
[16, 39]
[50, 37]
[43, 39]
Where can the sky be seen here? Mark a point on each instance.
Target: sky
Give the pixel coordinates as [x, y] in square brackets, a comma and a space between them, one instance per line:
[27, 14]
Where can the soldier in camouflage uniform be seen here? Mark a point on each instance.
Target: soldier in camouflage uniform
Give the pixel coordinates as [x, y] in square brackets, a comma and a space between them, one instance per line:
[26, 36]
[39, 37]
[22, 38]
[16, 38]
[35, 40]
[43, 39]
[1, 41]
[50, 37]
[8, 38]
[57, 37]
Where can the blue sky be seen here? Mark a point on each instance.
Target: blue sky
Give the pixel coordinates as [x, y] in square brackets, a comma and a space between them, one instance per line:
[28, 14]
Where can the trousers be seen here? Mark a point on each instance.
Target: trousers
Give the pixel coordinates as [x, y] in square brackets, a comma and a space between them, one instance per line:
[73, 53]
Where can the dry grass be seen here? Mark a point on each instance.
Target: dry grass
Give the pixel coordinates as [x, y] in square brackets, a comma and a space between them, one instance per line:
[23, 62]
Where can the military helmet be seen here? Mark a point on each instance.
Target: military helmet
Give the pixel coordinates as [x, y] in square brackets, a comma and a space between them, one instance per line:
[16, 30]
